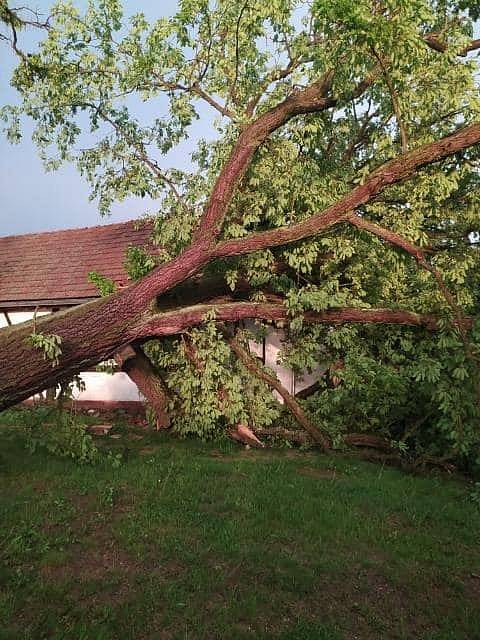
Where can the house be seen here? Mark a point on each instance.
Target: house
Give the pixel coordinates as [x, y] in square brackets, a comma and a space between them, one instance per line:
[45, 272]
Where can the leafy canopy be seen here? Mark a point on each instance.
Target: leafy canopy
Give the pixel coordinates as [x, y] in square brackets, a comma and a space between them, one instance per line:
[96, 76]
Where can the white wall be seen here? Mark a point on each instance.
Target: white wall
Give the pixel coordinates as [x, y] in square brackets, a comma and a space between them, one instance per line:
[19, 316]
[271, 350]
[273, 344]
[98, 386]
[105, 387]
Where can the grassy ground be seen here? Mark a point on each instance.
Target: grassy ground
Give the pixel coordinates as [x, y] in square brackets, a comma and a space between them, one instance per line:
[191, 541]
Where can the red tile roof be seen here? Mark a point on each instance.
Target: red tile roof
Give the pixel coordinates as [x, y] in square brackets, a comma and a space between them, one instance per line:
[53, 266]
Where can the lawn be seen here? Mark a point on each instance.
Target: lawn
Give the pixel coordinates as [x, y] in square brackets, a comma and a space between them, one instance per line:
[187, 540]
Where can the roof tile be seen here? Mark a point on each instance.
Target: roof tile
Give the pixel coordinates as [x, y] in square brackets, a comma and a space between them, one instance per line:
[55, 265]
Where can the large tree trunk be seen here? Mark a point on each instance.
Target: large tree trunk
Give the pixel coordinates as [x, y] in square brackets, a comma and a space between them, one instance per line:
[95, 331]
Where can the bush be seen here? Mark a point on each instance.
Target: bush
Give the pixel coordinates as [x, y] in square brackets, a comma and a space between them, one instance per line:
[60, 434]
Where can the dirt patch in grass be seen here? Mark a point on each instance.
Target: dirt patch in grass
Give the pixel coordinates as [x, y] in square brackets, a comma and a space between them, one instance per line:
[321, 474]
[147, 451]
[92, 563]
[376, 607]
[366, 606]
[165, 571]
[363, 603]
[99, 557]
[83, 503]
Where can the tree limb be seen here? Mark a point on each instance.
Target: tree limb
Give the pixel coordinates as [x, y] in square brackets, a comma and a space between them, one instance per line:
[139, 369]
[392, 172]
[94, 331]
[179, 320]
[244, 356]
[433, 41]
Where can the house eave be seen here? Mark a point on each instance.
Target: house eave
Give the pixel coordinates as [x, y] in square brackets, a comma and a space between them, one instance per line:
[47, 303]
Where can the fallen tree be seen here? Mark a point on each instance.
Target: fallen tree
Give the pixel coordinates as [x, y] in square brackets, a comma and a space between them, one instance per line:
[321, 168]
[92, 332]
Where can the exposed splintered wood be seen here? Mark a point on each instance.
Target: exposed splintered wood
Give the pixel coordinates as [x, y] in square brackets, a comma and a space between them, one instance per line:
[242, 433]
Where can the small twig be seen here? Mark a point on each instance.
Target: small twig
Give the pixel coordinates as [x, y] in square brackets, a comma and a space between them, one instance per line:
[237, 51]
[395, 102]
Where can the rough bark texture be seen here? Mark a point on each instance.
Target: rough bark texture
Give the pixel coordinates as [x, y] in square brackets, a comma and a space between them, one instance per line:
[137, 366]
[178, 320]
[82, 350]
[95, 331]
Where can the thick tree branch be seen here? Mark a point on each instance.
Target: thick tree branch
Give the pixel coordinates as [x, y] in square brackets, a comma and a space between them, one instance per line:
[433, 41]
[312, 99]
[138, 367]
[94, 331]
[389, 236]
[275, 76]
[249, 362]
[179, 320]
[397, 170]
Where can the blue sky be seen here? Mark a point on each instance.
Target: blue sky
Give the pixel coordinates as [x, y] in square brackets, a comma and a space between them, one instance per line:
[32, 200]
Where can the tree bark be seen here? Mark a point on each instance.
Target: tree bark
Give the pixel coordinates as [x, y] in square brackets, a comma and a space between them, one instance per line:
[84, 345]
[95, 331]
[138, 367]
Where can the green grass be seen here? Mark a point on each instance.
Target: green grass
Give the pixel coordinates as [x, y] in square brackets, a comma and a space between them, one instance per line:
[190, 541]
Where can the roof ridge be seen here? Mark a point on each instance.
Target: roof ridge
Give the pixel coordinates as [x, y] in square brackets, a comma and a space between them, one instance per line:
[141, 221]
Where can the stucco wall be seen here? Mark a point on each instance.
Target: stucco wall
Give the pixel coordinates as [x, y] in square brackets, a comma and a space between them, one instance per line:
[104, 387]
[269, 354]
[98, 386]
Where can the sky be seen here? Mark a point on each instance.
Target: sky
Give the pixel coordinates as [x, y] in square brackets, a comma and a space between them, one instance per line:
[32, 200]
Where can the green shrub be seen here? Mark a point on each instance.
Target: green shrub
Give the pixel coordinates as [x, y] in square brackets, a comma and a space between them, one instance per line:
[60, 434]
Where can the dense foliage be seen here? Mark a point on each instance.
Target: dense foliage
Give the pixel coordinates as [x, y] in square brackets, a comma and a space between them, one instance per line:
[403, 74]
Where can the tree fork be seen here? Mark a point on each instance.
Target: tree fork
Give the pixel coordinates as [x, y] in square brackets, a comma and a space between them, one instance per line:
[94, 331]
